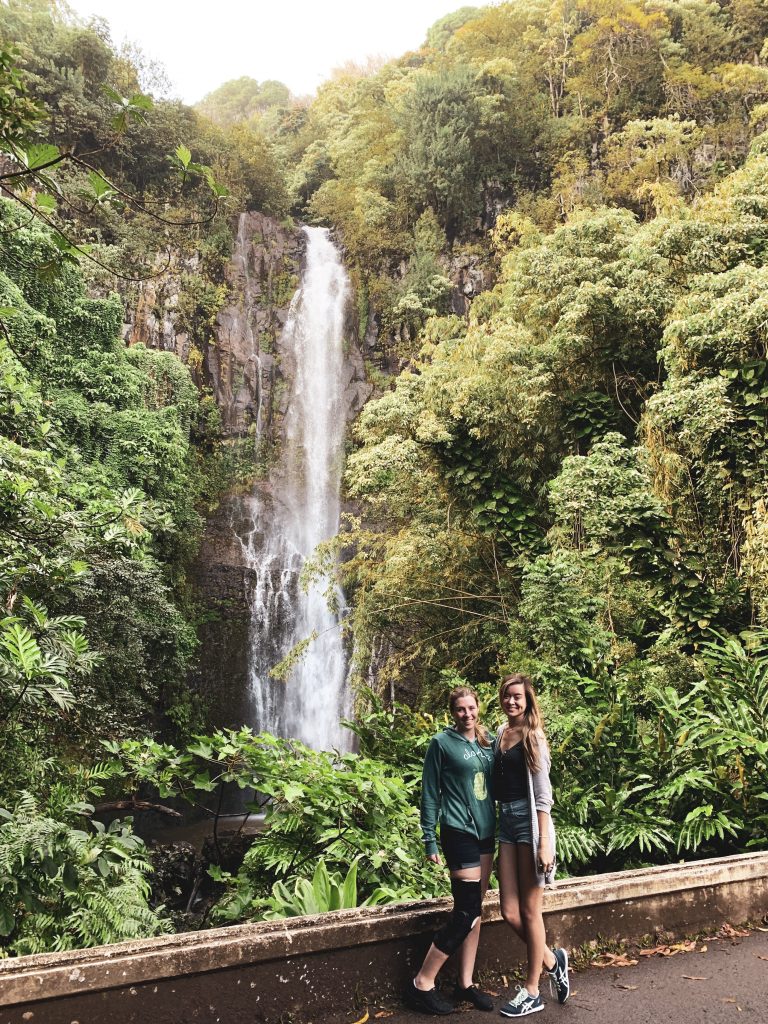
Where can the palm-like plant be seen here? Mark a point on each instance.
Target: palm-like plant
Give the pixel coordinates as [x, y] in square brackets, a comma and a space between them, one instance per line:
[38, 655]
[724, 730]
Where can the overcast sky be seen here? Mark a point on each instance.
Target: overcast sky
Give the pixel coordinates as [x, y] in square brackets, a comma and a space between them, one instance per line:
[297, 42]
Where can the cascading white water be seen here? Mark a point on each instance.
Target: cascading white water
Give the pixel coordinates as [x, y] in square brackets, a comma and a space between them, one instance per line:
[295, 511]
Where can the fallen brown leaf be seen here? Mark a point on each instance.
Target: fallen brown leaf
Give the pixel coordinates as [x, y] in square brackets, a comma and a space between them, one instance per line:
[678, 947]
[613, 960]
[383, 1013]
[761, 957]
[629, 988]
[703, 949]
[693, 977]
[732, 932]
[727, 1000]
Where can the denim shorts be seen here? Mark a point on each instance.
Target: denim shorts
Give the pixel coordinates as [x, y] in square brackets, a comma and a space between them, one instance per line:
[463, 850]
[515, 822]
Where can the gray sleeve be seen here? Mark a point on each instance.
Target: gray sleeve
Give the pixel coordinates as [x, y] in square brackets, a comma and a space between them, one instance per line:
[542, 788]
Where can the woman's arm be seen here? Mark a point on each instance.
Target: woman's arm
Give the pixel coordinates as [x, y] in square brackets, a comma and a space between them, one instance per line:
[430, 796]
[542, 787]
[545, 855]
[542, 794]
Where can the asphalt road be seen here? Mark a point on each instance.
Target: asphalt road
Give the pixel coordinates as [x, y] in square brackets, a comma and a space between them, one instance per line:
[722, 979]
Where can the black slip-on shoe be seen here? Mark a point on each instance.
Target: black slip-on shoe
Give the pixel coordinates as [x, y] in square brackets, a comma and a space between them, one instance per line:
[427, 1002]
[480, 1000]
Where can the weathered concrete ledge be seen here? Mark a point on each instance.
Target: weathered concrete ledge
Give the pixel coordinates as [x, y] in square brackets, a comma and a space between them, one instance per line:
[259, 972]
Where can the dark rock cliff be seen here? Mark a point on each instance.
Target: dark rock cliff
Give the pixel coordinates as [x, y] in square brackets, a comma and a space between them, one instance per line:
[244, 368]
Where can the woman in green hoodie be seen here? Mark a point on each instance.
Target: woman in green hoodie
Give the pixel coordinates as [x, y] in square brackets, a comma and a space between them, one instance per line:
[456, 792]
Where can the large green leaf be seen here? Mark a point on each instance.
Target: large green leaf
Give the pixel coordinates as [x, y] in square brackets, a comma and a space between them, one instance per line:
[23, 649]
[349, 889]
[40, 154]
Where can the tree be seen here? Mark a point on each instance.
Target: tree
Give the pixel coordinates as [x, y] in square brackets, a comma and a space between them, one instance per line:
[243, 100]
[438, 163]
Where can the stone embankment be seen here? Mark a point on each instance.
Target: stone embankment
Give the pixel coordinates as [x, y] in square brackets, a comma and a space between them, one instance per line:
[308, 969]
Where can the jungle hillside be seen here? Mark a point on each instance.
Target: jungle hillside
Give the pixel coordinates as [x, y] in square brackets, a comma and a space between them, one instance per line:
[555, 219]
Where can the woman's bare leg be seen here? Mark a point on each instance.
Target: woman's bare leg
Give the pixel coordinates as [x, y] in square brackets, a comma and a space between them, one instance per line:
[509, 895]
[435, 958]
[532, 918]
[433, 961]
[468, 949]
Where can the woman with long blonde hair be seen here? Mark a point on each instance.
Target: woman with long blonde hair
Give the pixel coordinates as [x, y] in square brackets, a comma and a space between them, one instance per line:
[456, 793]
[526, 838]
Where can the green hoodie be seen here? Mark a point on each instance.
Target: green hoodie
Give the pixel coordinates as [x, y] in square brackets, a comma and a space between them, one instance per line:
[455, 787]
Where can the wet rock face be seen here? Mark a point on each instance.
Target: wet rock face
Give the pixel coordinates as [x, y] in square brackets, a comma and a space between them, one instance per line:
[222, 580]
[240, 363]
[152, 310]
[244, 364]
[470, 275]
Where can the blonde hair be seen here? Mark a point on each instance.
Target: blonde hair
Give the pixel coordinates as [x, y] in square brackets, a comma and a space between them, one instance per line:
[533, 724]
[480, 731]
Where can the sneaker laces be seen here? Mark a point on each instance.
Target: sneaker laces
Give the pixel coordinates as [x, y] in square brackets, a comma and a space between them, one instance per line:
[522, 995]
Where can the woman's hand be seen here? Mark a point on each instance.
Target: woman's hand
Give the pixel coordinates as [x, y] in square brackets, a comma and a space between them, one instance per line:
[434, 857]
[546, 855]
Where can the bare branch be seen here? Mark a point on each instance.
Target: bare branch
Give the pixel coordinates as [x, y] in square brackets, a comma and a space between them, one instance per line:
[136, 805]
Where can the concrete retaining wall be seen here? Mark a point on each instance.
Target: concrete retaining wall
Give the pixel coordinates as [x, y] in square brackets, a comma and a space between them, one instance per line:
[316, 965]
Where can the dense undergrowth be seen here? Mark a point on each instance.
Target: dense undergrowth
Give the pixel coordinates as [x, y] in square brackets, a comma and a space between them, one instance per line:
[110, 457]
[569, 479]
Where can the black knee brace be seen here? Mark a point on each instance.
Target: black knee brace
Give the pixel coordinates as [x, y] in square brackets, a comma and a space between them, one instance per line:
[467, 907]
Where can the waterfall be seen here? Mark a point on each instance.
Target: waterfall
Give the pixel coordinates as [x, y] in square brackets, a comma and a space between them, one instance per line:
[296, 509]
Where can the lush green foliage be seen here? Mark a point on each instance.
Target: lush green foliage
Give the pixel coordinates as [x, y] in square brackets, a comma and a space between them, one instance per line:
[72, 99]
[318, 805]
[547, 106]
[101, 485]
[323, 894]
[242, 100]
[67, 880]
[668, 770]
[570, 479]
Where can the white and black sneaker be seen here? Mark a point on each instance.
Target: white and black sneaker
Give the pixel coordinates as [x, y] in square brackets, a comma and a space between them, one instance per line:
[559, 974]
[523, 1004]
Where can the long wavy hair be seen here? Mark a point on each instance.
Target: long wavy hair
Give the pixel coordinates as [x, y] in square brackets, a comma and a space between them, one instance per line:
[533, 723]
[480, 731]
